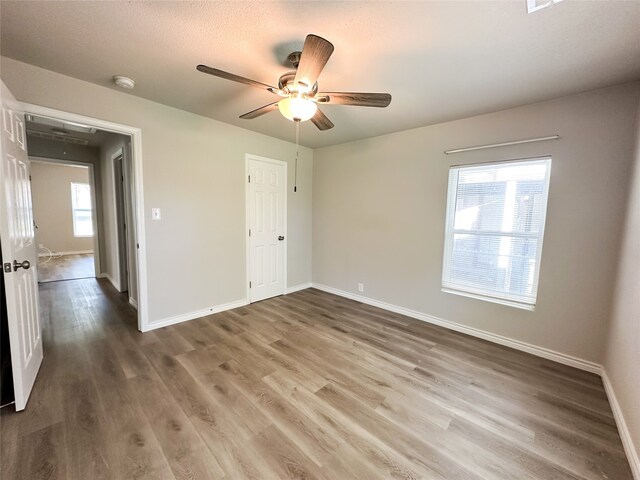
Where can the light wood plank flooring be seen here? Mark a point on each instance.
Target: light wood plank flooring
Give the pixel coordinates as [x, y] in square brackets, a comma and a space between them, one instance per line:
[304, 386]
[66, 267]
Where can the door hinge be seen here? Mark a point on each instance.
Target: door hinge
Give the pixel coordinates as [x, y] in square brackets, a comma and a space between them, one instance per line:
[249, 177]
[249, 232]
[249, 282]
[137, 245]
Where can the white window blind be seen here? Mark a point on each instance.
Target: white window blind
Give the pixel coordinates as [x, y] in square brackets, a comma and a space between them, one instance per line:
[81, 209]
[495, 225]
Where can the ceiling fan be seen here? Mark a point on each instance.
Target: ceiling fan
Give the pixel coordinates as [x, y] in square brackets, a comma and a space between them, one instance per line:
[299, 88]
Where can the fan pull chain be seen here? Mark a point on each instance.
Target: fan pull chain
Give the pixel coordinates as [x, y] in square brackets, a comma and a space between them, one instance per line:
[295, 178]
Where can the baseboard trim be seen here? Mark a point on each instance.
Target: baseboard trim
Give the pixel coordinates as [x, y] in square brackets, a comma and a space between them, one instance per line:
[297, 288]
[79, 252]
[623, 429]
[115, 284]
[193, 315]
[474, 332]
[133, 303]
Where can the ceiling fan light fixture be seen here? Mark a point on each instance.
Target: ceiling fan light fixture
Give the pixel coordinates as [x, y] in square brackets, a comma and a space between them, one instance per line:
[297, 109]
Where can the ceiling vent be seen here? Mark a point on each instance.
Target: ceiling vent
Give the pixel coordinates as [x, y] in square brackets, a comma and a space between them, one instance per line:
[58, 124]
[57, 137]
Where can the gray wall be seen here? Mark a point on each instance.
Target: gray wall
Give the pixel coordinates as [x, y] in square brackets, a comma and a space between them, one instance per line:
[109, 254]
[379, 214]
[622, 359]
[52, 209]
[193, 168]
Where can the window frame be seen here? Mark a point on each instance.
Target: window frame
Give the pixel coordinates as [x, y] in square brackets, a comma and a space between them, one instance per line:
[74, 210]
[450, 232]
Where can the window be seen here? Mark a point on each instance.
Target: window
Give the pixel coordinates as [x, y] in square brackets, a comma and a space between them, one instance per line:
[494, 230]
[81, 209]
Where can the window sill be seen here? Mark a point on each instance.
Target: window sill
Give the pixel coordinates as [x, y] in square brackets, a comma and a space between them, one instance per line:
[501, 301]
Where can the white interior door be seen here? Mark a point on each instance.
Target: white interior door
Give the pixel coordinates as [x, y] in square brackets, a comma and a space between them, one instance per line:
[267, 227]
[19, 251]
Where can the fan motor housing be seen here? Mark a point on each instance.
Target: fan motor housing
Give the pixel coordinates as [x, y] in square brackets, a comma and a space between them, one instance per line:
[288, 78]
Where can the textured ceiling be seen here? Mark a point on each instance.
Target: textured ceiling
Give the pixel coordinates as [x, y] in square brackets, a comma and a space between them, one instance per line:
[440, 60]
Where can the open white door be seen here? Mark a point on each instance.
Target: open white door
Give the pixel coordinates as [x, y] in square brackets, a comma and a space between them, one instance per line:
[19, 251]
[267, 227]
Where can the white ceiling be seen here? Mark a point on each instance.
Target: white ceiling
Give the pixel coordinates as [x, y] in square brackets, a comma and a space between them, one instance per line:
[440, 60]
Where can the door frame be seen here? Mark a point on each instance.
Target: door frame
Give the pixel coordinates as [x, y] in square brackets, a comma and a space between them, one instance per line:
[94, 205]
[121, 219]
[247, 203]
[137, 190]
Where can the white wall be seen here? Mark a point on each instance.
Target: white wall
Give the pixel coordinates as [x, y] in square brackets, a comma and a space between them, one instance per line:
[52, 210]
[379, 213]
[193, 168]
[622, 358]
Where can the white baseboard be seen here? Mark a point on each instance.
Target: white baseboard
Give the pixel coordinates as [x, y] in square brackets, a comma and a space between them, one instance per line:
[192, 315]
[115, 284]
[491, 337]
[133, 303]
[297, 288]
[78, 252]
[623, 429]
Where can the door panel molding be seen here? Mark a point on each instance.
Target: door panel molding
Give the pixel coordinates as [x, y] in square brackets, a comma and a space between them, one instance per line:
[19, 253]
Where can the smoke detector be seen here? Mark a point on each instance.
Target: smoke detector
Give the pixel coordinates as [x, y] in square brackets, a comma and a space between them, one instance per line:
[124, 82]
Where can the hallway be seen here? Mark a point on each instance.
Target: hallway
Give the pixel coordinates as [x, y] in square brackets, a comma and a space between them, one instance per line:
[84, 323]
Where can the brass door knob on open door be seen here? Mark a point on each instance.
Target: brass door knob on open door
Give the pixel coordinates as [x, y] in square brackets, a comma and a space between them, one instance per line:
[25, 264]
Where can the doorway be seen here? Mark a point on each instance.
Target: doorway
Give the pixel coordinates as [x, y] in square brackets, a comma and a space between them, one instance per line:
[266, 205]
[18, 226]
[119, 250]
[64, 211]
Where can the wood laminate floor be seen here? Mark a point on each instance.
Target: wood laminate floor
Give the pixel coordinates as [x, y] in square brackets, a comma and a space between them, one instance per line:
[307, 385]
[66, 267]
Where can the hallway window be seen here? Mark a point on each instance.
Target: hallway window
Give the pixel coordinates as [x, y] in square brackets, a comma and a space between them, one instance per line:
[82, 212]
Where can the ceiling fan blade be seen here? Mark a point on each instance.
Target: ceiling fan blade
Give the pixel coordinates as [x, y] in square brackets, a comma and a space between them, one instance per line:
[260, 111]
[234, 78]
[354, 98]
[321, 121]
[314, 57]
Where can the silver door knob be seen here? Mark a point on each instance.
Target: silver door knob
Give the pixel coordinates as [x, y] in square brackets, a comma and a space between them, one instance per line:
[25, 264]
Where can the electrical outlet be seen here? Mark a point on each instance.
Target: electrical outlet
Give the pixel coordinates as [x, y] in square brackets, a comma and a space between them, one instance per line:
[155, 214]
[361, 287]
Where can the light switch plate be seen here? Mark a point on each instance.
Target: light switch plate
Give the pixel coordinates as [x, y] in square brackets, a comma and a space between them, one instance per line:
[155, 214]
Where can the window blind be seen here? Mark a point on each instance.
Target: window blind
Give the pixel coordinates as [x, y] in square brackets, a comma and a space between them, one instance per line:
[495, 225]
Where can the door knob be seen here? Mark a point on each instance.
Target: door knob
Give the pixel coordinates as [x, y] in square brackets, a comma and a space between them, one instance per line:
[280, 238]
[25, 264]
